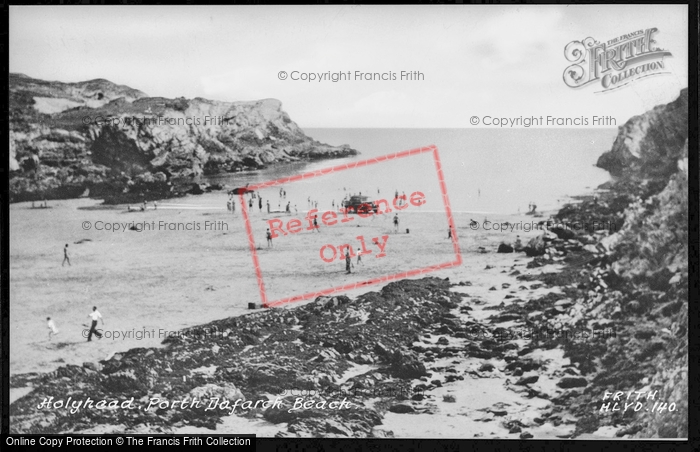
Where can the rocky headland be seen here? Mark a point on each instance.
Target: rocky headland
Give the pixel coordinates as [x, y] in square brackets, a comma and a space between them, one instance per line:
[612, 269]
[115, 143]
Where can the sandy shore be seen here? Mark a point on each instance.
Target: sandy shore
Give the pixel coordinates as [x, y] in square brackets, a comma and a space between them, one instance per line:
[148, 283]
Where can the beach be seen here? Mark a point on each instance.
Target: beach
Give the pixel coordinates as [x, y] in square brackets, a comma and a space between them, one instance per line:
[150, 283]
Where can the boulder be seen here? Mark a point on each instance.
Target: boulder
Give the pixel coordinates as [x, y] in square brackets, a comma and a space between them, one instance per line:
[535, 247]
[572, 382]
[401, 408]
[505, 248]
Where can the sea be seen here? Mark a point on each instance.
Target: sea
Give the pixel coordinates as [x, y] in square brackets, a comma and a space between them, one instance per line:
[485, 171]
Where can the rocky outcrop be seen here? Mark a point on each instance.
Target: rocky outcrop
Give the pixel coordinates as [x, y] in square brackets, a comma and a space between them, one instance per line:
[632, 276]
[113, 140]
[649, 145]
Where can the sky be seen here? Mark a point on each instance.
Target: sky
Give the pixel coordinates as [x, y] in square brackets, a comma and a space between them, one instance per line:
[476, 60]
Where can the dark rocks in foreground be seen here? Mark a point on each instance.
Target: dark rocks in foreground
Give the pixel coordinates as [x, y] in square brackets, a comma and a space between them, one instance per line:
[264, 356]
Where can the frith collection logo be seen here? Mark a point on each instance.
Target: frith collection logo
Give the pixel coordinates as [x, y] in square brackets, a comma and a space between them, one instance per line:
[615, 63]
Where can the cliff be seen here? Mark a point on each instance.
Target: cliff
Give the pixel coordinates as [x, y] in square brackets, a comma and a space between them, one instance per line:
[116, 141]
[636, 279]
[648, 145]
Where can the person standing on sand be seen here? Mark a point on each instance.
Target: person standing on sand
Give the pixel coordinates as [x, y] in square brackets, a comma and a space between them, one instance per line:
[95, 315]
[359, 257]
[260, 203]
[268, 206]
[269, 238]
[52, 327]
[65, 256]
[449, 233]
[396, 223]
[316, 228]
[518, 244]
[348, 261]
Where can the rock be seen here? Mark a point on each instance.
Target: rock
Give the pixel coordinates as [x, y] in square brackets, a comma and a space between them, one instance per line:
[527, 380]
[401, 408]
[122, 159]
[505, 248]
[535, 247]
[591, 249]
[379, 433]
[562, 232]
[92, 366]
[408, 366]
[526, 435]
[224, 391]
[638, 152]
[572, 382]
[336, 427]
[486, 367]
[381, 350]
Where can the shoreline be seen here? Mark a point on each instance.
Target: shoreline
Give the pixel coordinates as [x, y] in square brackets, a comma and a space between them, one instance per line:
[477, 258]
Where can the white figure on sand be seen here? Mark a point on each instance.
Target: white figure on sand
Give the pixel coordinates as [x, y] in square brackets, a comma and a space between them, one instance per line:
[51, 325]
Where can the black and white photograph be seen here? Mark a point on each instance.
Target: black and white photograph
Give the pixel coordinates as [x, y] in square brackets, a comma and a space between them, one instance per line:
[446, 222]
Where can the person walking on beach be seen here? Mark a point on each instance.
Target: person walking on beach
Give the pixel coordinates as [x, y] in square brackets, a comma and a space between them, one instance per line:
[269, 238]
[359, 257]
[52, 327]
[268, 206]
[233, 205]
[348, 261]
[396, 223]
[95, 316]
[260, 203]
[65, 256]
[316, 228]
[449, 233]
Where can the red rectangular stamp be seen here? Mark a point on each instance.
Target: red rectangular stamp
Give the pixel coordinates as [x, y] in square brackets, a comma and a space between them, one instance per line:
[360, 223]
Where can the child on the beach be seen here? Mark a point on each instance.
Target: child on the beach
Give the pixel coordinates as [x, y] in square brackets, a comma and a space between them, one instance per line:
[52, 327]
